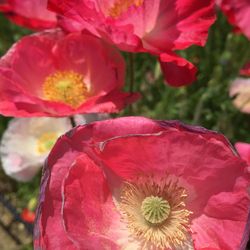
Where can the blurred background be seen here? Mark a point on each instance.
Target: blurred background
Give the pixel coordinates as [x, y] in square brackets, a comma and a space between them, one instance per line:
[206, 103]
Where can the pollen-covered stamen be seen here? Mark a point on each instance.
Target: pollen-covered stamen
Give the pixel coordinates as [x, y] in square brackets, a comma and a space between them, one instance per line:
[155, 213]
[67, 87]
[121, 6]
[155, 209]
[46, 141]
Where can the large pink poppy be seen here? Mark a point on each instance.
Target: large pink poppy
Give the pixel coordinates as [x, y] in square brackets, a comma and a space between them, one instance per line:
[135, 183]
[29, 13]
[238, 14]
[50, 74]
[159, 27]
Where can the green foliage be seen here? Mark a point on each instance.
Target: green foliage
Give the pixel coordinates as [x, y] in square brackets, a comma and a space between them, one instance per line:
[206, 102]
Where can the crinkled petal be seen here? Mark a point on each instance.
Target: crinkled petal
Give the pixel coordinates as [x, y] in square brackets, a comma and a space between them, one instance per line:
[153, 26]
[30, 14]
[225, 214]
[86, 214]
[180, 24]
[244, 151]
[177, 71]
[238, 14]
[175, 153]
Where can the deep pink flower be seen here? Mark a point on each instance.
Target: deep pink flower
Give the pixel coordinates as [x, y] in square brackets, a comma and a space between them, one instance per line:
[245, 71]
[238, 14]
[132, 182]
[154, 26]
[50, 74]
[29, 13]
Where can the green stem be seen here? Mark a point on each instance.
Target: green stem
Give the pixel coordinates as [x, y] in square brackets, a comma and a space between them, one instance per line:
[72, 121]
[131, 72]
[131, 78]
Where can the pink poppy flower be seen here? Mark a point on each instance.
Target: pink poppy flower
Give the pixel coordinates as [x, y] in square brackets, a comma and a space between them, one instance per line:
[32, 14]
[50, 74]
[238, 14]
[135, 183]
[159, 27]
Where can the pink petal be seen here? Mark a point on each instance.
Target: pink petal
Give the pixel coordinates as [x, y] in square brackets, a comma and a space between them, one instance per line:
[31, 14]
[238, 14]
[180, 24]
[244, 150]
[177, 71]
[176, 153]
[88, 207]
[226, 214]
[49, 227]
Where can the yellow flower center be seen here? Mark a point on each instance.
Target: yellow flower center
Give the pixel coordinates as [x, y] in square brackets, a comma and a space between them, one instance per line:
[66, 87]
[155, 209]
[121, 6]
[155, 212]
[46, 141]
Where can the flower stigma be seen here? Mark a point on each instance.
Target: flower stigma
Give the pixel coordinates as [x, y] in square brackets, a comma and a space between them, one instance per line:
[155, 209]
[155, 212]
[121, 6]
[45, 142]
[66, 87]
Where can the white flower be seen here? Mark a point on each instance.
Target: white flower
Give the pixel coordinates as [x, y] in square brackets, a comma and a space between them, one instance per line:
[26, 143]
[87, 118]
[240, 90]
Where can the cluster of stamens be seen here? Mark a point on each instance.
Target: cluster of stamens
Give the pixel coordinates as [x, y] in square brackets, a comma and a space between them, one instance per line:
[122, 6]
[155, 212]
[67, 87]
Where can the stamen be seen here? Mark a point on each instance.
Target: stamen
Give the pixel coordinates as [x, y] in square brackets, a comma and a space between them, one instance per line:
[155, 213]
[67, 87]
[122, 6]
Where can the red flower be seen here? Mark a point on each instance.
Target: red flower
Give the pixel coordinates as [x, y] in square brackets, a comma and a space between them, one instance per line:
[245, 71]
[238, 14]
[49, 74]
[32, 14]
[134, 183]
[28, 216]
[155, 26]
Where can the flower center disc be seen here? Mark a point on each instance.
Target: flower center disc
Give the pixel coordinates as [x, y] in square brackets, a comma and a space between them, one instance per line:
[45, 142]
[65, 86]
[122, 6]
[155, 210]
[155, 213]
